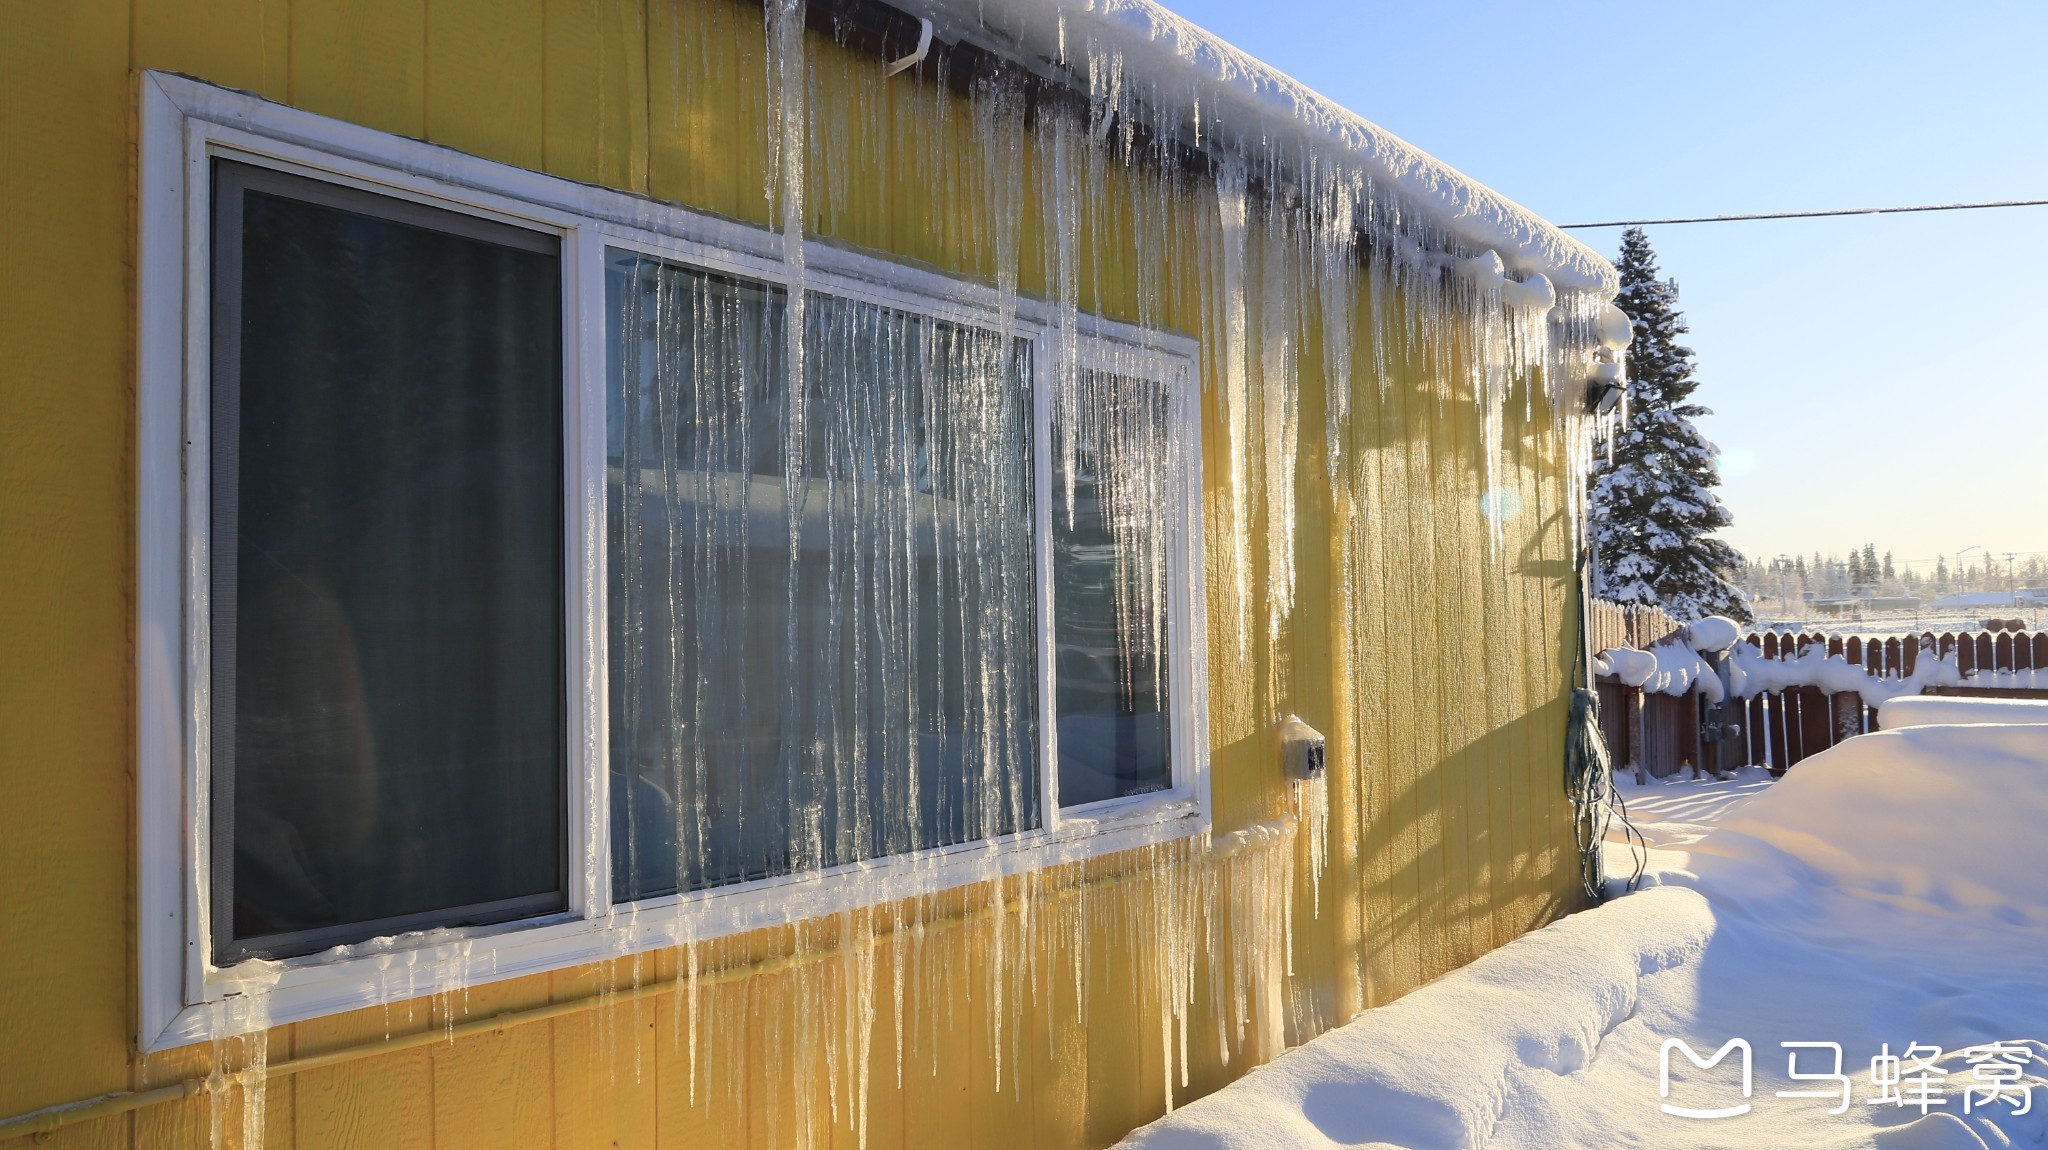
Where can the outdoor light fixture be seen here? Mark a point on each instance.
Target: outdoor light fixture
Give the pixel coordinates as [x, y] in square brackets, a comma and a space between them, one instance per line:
[1303, 748]
[1605, 387]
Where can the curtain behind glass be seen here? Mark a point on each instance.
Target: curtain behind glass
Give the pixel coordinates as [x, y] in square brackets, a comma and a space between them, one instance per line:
[842, 672]
[388, 745]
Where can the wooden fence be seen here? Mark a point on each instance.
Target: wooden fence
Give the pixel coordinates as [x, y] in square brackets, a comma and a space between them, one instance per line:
[1665, 734]
[1783, 727]
[1659, 731]
[1612, 625]
[1894, 656]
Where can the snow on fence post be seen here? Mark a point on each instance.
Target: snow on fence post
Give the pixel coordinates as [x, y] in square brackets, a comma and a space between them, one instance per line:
[1848, 715]
[1692, 750]
[1796, 705]
[1784, 730]
[1796, 716]
[1637, 717]
[1857, 718]
[1753, 720]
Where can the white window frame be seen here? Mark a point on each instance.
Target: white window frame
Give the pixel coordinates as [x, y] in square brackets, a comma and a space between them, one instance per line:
[184, 125]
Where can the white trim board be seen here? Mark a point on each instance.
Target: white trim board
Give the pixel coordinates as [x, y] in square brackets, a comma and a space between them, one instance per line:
[184, 125]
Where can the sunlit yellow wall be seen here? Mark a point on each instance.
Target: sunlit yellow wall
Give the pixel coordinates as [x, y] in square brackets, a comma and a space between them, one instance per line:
[1435, 660]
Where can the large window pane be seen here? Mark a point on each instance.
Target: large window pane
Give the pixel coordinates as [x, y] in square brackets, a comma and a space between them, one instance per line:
[388, 691]
[1112, 471]
[840, 670]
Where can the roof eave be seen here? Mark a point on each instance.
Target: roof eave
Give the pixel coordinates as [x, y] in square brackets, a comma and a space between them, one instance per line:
[1170, 53]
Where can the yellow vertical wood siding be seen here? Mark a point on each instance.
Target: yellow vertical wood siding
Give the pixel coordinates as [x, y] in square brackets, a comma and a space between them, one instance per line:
[1437, 664]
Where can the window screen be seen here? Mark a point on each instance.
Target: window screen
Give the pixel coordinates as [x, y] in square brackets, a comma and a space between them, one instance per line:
[1110, 592]
[388, 749]
[823, 631]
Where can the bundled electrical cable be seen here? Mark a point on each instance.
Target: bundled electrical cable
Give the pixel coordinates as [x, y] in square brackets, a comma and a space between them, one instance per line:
[1589, 777]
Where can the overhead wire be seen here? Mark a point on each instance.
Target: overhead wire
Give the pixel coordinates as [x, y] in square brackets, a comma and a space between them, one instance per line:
[1809, 215]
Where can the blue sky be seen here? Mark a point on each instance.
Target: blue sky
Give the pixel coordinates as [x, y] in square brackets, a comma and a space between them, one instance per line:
[1874, 379]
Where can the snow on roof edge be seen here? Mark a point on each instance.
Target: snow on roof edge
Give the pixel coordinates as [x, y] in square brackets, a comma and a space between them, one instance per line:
[1159, 47]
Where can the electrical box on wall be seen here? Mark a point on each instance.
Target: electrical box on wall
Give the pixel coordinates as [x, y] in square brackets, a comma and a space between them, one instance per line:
[1301, 747]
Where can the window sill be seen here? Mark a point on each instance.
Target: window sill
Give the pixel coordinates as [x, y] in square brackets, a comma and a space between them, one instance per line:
[418, 965]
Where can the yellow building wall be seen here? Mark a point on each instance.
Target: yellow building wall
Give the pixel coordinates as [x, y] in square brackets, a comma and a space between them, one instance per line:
[1436, 660]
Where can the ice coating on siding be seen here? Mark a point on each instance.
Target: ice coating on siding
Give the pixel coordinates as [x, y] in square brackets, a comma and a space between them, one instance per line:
[1327, 282]
[238, 1022]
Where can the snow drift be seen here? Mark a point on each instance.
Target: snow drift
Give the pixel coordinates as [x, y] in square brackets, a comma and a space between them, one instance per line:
[1934, 710]
[1442, 1065]
[1940, 819]
[1883, 894]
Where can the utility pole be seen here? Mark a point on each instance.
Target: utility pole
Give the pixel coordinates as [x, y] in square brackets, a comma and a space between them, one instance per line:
[1959, 562]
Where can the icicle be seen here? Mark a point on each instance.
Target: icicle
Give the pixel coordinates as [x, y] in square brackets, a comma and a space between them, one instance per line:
[688, 964]
[857, 990]
[1310, 800]
[1256, 867]
[1230, 205]
[1279, 407]
[238, 1027]
[1335, 272]
[788, 143]
[449, 962]
[1060, 237]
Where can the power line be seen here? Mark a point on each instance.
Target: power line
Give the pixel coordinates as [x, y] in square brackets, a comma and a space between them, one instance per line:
[1810, 215]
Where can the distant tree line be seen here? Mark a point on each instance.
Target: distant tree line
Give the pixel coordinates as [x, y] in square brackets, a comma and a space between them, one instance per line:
[1867, 573]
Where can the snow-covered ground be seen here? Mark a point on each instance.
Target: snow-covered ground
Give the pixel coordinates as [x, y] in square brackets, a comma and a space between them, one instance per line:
[1680, 810]
[1888, 897]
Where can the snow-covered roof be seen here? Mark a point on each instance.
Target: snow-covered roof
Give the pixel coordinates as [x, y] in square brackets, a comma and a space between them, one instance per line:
[1975, 599]
[1166, 54]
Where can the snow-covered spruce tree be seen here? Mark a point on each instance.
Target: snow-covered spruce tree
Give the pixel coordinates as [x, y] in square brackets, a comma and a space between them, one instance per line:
[1652, 507]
